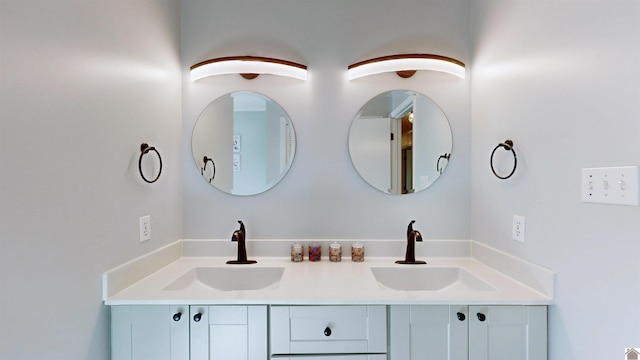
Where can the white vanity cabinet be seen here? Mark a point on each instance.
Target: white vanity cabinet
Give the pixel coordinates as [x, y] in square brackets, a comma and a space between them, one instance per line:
[508, 332]
[454, 332]
[344, 332]
[431, 332]
[228, 332]
[150, 332]
[337, 330]
[168, 332]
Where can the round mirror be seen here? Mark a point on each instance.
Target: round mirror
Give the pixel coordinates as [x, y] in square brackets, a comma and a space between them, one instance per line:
[243, 143]
[400, 142]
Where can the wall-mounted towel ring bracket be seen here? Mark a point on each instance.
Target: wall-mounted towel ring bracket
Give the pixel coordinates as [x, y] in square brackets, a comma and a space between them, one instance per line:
[144, 149]
[507, 145]
[204, 168]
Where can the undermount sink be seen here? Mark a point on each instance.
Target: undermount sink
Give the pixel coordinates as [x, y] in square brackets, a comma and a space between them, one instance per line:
[232, 278]
[427, 278]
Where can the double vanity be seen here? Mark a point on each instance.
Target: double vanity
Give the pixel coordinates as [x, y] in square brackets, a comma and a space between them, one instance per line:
[205, 299]
[469, 301]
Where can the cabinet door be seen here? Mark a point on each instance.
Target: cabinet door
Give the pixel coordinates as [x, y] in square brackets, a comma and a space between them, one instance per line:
[508, 332]
[428, 332]
[149, 332]
[232, 332]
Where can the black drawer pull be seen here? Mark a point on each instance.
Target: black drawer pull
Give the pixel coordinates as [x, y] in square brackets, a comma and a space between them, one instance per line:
[482, 317]
[197, 317]
[461, 316]
[327, 331]
[177, 316]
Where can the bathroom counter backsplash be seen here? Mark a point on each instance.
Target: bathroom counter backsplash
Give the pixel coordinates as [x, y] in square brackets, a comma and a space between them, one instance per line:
[146, 280]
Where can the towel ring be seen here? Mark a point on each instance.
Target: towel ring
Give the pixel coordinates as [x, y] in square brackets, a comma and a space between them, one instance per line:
[144, 149]
[445, 156]
[204, 168]
[507, 145]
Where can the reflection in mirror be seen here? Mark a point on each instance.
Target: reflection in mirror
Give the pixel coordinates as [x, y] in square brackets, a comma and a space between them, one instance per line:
[400, 142]
[243, 143]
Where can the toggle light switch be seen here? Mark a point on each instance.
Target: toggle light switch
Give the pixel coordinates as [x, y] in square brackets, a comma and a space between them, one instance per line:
[610, 185]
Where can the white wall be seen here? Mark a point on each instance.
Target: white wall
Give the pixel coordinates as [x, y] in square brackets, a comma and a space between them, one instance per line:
[323, 196]
[82, 85]
[561, 79]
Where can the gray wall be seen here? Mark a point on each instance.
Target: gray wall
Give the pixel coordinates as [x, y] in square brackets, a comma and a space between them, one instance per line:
[82, 85]
[561, 79]
[323, 196]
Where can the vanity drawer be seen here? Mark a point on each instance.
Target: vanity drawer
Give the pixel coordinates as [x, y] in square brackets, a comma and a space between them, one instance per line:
[336, 357]
[328, 329]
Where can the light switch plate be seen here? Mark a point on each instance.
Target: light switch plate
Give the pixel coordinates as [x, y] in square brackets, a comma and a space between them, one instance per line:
[610, 185]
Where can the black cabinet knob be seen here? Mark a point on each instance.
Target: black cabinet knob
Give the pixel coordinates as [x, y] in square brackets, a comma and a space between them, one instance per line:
[461, 316]
[197, 317]
[327, 331]
[177, 316]
[482, 317]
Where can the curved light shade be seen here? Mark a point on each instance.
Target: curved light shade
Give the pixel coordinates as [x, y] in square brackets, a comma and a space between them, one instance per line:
[406, 65]
[248, 66]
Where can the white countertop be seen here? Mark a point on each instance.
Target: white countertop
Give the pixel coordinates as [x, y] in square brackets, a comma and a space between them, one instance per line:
[321, 282]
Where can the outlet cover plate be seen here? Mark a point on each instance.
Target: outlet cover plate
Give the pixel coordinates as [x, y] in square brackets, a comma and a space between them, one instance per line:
[145, 228]
[518, 228]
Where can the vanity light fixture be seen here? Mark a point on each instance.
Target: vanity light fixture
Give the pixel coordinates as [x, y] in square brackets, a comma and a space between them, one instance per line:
[405, 65]
[249, 67]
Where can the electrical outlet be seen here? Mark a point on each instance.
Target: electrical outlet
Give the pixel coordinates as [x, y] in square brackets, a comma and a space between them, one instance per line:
[517, 231]
[145, 228]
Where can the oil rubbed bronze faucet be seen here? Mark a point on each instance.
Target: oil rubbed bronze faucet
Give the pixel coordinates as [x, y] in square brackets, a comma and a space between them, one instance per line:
[410, 255]
[239, 236]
